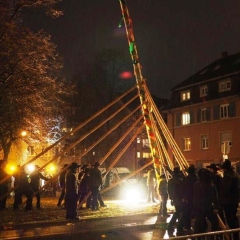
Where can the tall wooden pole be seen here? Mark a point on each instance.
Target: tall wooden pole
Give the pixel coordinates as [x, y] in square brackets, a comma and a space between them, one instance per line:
[140, 83]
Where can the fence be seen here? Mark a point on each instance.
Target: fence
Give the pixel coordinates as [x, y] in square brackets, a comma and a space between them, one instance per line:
[223, 235]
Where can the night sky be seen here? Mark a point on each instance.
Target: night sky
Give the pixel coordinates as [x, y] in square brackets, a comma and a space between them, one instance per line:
[175, 38]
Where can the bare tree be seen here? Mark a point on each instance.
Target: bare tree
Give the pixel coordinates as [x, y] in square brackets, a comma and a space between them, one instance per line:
[32, 90]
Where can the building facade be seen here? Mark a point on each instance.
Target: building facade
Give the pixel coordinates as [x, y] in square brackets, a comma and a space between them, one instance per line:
[204, 113]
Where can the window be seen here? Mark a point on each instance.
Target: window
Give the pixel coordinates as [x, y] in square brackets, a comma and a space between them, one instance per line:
[187, 144]
[224, 85]
[145, 143]
[203, 91]
[185, 95]
[226, 137]
[203, 115]
[204, 142]
[224, 111]
[138, 154]
[146, 155]
[138, 140]
[185, 118]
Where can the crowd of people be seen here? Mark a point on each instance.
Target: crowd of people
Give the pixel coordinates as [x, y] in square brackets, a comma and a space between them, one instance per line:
[78, 184]
[208, 196]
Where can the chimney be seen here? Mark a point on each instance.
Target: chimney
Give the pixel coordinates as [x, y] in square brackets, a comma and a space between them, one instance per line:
[224, 54]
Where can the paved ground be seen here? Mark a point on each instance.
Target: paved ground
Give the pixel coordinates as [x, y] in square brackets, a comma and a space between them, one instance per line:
[50, 220]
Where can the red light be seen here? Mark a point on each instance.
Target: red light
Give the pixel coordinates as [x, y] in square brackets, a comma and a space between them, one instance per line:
[126, 75]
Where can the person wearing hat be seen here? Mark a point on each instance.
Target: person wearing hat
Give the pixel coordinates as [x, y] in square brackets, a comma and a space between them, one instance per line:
[229, 195]
[216, 179]
[175, 195]
[95, 181]
[205, 202]
[188, 190]
[62, 183]
[4, 181]
[71, 192]
[35, 177]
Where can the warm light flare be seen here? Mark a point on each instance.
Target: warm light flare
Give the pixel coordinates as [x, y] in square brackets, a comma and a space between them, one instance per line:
[10, 168]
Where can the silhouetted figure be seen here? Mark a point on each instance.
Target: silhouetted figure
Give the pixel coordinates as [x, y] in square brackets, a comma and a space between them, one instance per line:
[187, 196]
[35, 184]
[163, 192]
[62, 184]
[151, 183]
[71, 191]
[229, 195]
[95, 181]
[175, 195]
[205, 202]
[22, 187]
[4, 179]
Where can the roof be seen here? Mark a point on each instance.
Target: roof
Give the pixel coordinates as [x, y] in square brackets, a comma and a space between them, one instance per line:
[225, 66]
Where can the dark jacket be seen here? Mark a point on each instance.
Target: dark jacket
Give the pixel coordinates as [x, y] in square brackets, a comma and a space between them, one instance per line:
[95, 177]
[175, 189]
[229, 187]
[205, 196]
[35, 179]
[188, 186]
[71, 182]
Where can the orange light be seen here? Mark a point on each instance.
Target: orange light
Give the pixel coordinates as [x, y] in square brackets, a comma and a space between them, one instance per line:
[10, 169]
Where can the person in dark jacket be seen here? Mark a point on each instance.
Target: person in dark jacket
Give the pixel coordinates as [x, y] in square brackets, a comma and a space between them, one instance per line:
[229, 195]
[35, 177]
[175, 195]
[71, 192]
[62, 184]
[187, 196]
[22, 187]
[95, 181]
[4, 181]
[163, 192]
[84, 186]
[216, 179]
[205, 202]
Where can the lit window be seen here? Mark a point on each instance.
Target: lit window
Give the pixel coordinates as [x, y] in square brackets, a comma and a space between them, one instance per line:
[204, 141]
[146, 155]
[224, 85]
[138, 154]
[203, 91]
[185, 118]
[145, 143]
[203, 114]
[224, 111]
[187, 144]
[185, 95]
[138, 140]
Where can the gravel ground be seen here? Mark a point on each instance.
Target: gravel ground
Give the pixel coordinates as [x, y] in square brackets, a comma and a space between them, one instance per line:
[51, 213]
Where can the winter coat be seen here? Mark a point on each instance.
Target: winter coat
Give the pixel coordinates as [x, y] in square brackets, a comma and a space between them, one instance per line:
[35, 179]
[175, 189]
[95, 177]
[205, 196]
[71, 182]
[229, 187]
[188, 186]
